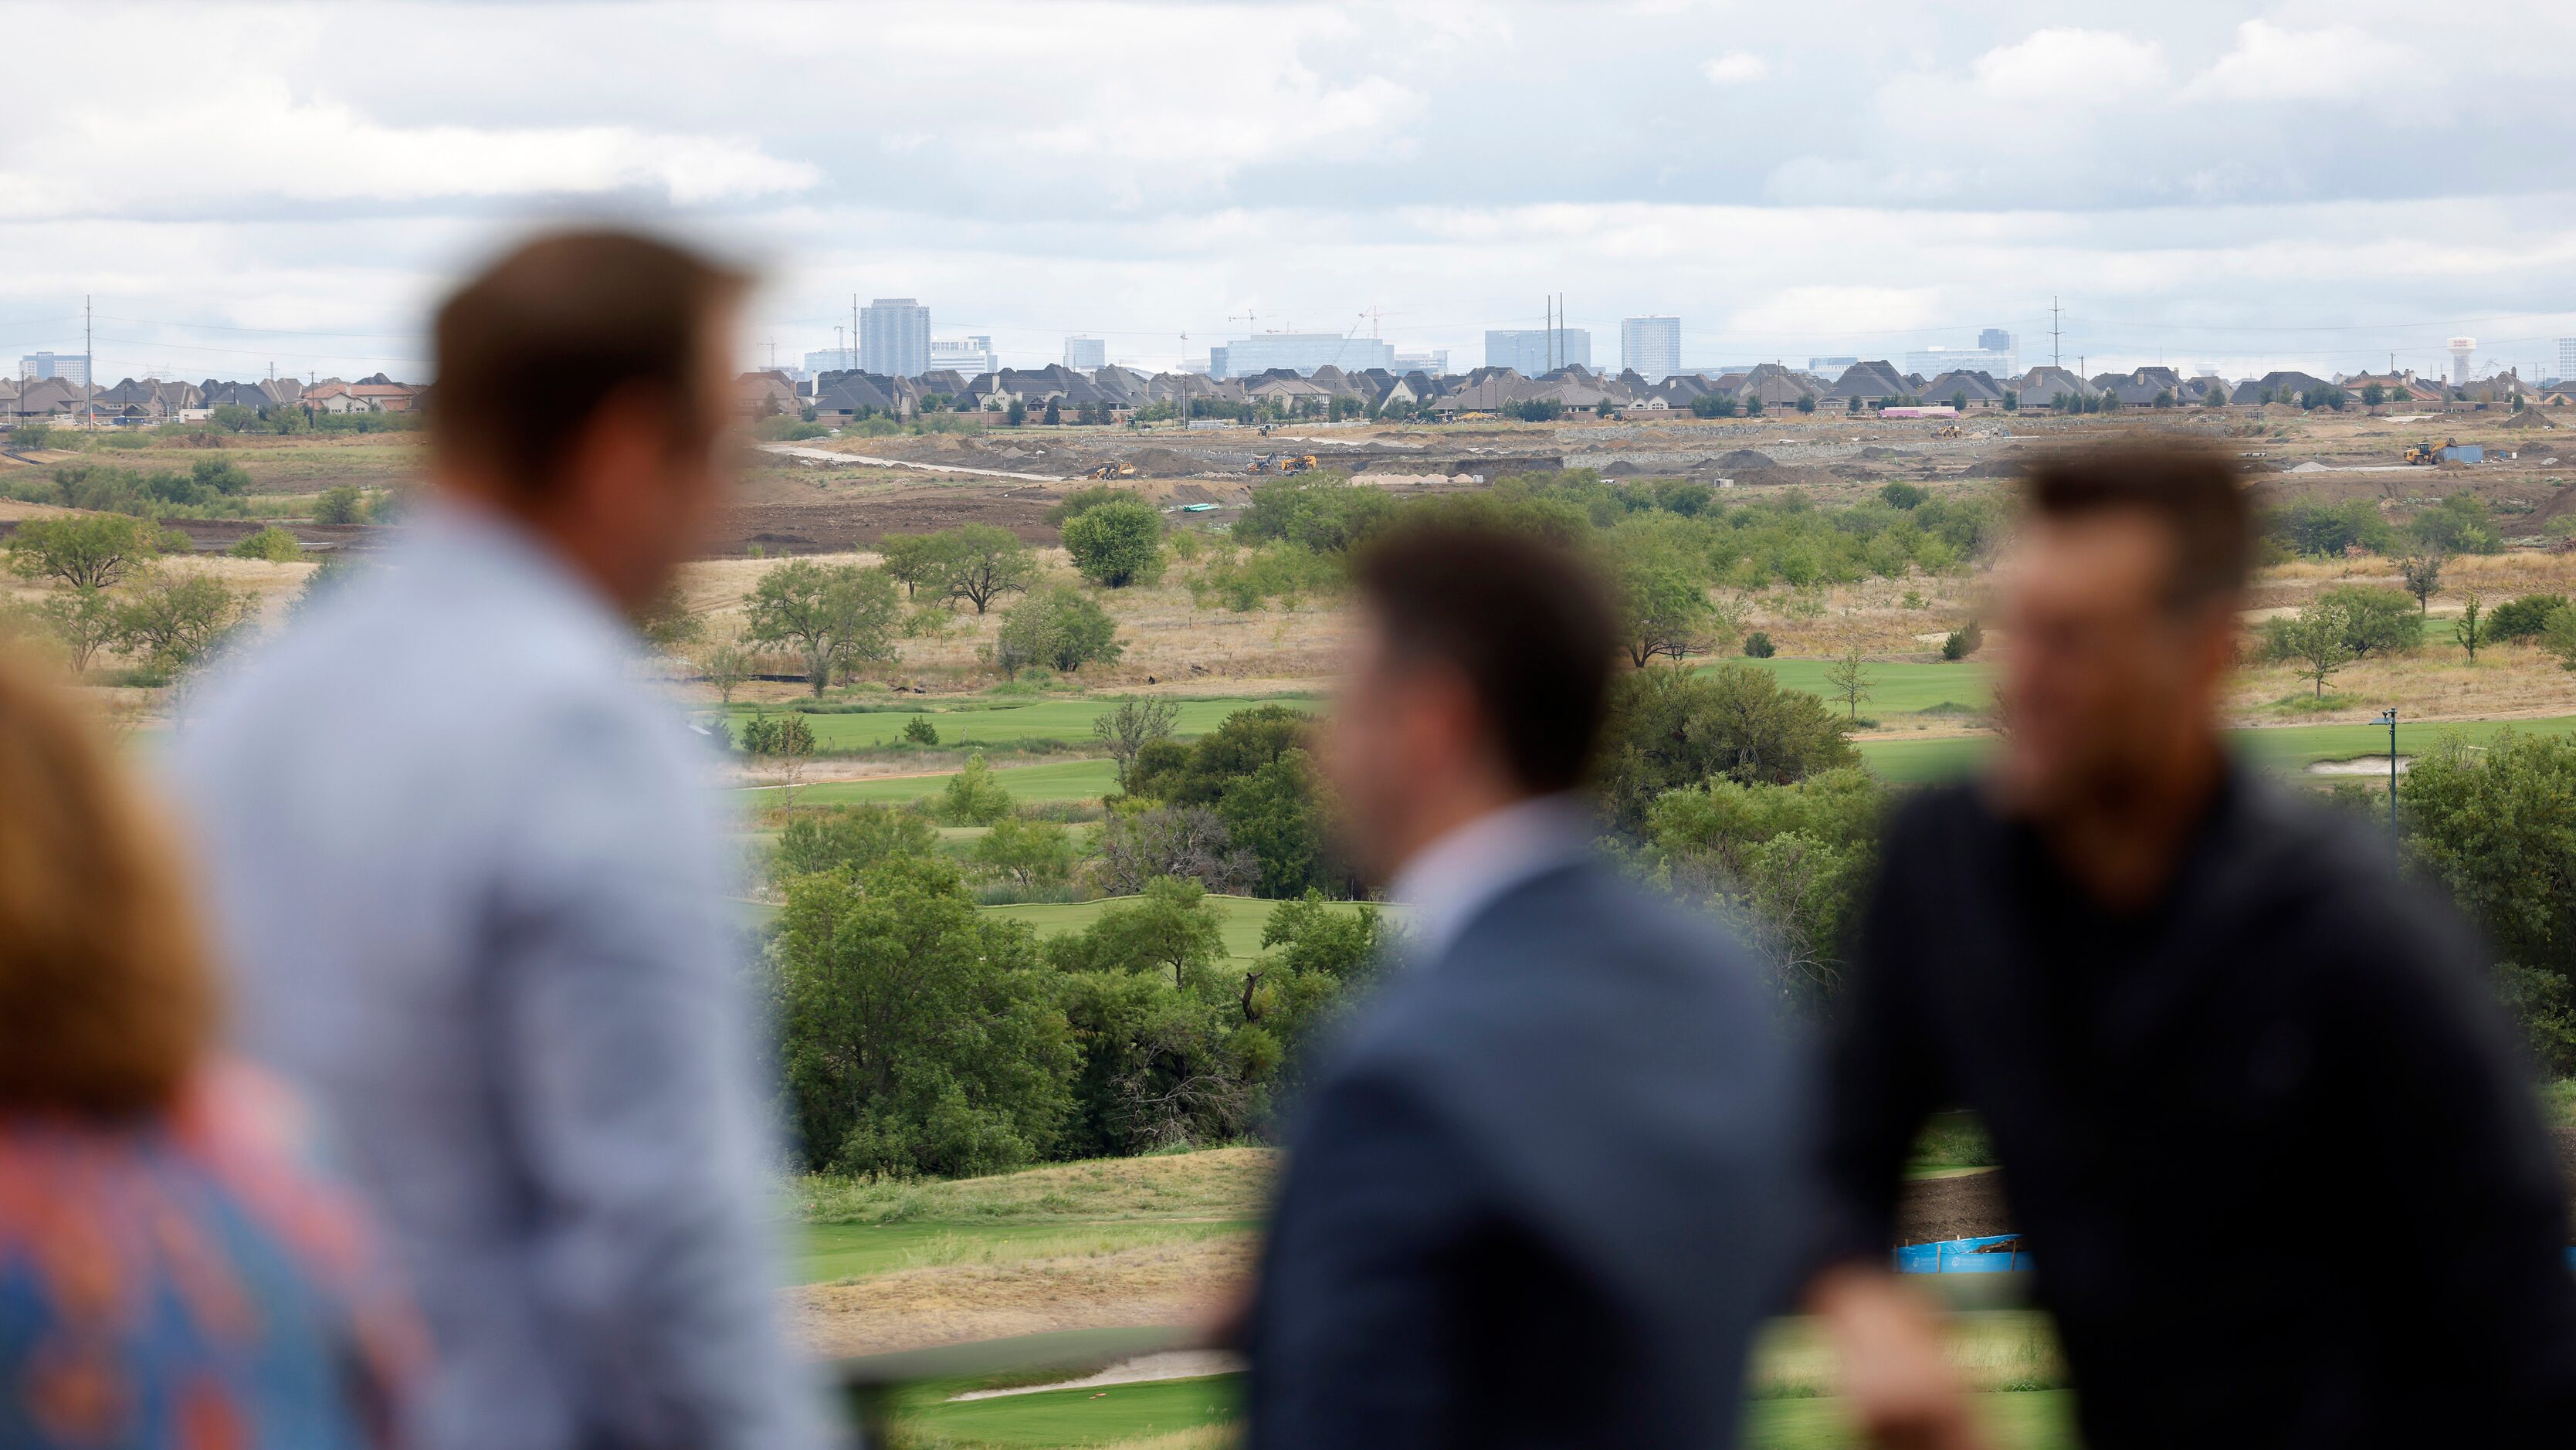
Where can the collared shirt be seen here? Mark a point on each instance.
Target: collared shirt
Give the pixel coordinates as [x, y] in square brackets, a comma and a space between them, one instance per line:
[468, 873]
[1449, 881]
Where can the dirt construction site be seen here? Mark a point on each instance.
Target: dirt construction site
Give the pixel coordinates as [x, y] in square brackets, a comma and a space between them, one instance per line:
[836, 494]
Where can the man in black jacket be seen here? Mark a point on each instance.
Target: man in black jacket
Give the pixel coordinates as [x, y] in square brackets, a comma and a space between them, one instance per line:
[2259, 1122]
[1536, 1199]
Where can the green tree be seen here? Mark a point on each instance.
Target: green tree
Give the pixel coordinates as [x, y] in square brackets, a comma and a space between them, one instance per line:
[1962, 642]
[1903, 495]
[1028, 854]
[833, 616]
[2375, 620]
[339, 506]
[917, 1034]
[850, 838]
[973, 797]
[2318, 642]
[912, 560]
[2372, 395]
[981, 562]
[84, 554]
[1168, 930]
[2558, 637]
[668, 623]
[1077, 502]
[920, 731]
[273, 544]
[2467, 630]
[2524, 618]
[1673, 728]
[83, 621]
[1062, 628]
[1663, 609]
[1849, 676]
[178, 622]
[2497, 827]
[1132, 726]
[1277, 813]
[1788, 863]
[2459, 524]
[1117, 544]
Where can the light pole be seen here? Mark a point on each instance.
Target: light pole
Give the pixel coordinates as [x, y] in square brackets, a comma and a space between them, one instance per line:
[2388, 717]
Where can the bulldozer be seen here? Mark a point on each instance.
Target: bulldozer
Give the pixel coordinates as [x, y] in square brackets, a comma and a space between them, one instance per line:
[1947, 430]
[1283, 463]
[1113, 470]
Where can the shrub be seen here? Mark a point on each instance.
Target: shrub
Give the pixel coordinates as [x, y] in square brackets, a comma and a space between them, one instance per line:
[1964, 641]
[1757, 645]
[920, 731]
[1061, 628]
[1117, 543]
[340, 506]
[2524, 618]
[274, 544]
[973, 797]
[851, 837]
[1903, 495]
[777, 735]
[1028, 854]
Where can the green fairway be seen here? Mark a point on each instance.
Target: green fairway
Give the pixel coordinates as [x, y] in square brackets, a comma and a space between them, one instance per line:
[2023, 1420]
[1060, 780]
[1243, 918]
[2286, 748]
[835, 1251]
[1894, 688]
[1077, 1417]
[1008, 722]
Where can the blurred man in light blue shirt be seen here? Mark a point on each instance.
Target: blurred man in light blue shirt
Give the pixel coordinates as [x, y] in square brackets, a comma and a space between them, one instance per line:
[471, 882]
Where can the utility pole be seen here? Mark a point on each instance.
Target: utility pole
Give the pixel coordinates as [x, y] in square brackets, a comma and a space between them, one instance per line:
[2054, 359]
[2388, 717]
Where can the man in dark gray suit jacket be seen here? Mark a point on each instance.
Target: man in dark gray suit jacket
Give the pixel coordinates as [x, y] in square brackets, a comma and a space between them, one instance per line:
[1536, 1197]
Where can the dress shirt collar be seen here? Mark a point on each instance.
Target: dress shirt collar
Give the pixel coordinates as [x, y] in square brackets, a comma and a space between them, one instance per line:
[1450, 881]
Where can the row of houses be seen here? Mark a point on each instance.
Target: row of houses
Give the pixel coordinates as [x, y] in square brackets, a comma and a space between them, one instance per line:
[1116, 392]
[138, 402]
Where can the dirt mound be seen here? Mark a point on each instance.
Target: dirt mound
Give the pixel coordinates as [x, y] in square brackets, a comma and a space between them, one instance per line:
[1166, 462]
[2527, 418]
[1622, 469]
[1741, 458]
[1967, 1206]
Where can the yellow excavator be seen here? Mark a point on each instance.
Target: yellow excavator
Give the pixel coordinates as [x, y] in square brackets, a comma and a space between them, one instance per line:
[1113, 470]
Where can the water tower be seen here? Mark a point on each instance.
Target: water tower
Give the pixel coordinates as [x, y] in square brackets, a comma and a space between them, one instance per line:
[2461, 349]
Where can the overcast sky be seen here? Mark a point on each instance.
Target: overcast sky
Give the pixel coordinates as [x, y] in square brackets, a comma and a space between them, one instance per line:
[2244, 186]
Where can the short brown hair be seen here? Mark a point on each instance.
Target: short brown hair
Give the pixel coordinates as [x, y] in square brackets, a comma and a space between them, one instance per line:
[107, 1000]
[2192, 489]
[1525, 620]
[530, 349]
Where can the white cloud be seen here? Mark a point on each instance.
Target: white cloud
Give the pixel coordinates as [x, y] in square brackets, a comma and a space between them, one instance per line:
[1735, 68]
[2272, 63]
[2066, 66]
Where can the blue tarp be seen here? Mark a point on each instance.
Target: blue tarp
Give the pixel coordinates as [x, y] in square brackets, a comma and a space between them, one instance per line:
[1994, 1254]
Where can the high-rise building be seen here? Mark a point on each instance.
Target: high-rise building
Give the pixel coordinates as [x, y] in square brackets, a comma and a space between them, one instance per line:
[1086, 354]
[2464, 352]
[1527, 350]
[2566, 359]
[1995, 339]
[1932, 362]
[894, 338]
[71, 367]
[1832, 367]
[830, 360]
[1651, 347]
[1302, 352]
[1434, 361]
[973, 356]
